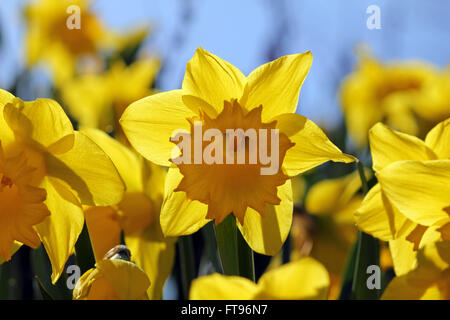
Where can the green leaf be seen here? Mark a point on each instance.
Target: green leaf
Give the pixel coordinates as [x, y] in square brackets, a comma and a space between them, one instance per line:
[186, 249]
[209, 237]
[83, 251]
[347, 278]
[45, 294]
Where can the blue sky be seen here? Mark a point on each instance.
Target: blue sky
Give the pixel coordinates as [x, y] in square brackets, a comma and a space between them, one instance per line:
[249, 33]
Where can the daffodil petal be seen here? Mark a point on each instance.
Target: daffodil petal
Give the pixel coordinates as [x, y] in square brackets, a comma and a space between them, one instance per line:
[276, 85]
[212, 79]
[128, 280]
[220, 287]
[438, 139]
[155, 255]
[302, 279]
[89, 171]
[14, 247]
[330, 195]
[41, 122]
[150, 122]
[122, 157]
[377, 217]
[312, 147]
[267, 234]
[404, 257]
[180, 215]
[419, 189]
[401, 288]
[59, 232]
[6, 134]
[388, 146]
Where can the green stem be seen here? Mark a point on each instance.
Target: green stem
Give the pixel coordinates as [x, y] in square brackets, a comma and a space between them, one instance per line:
[246, 259]
[362, 176]
[367, 253]
[235, 254]
[187, 262]
[226, 236]
[83, 250]
[347, 279]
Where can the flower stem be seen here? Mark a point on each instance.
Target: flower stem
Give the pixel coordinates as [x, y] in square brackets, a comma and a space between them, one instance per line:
[367, 253]
[246, 259]
[187, 262]
[235, 254]
[226, 236]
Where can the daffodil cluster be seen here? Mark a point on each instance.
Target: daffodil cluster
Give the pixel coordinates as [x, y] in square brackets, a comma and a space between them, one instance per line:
[118, 178]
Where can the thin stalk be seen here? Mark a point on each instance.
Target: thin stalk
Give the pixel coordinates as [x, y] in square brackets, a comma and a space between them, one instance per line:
[246, 259]
[235, 254]
[367, 253]
[226, 236]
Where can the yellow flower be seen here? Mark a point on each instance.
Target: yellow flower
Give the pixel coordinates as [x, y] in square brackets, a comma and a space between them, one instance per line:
[21, 204]
[112, 279]
[299, 280]
[409, 96]
[217, 95]
[330, 236]
[48, 171]
[412, 196]
[137, 214]
[427, 276]
[98, 100]
[49, 39]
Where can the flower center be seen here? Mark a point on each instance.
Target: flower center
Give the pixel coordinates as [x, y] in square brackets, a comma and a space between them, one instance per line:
[232, 162]
[5, 181]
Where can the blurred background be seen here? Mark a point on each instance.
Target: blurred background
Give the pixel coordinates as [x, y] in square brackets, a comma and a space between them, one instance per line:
[250, 33]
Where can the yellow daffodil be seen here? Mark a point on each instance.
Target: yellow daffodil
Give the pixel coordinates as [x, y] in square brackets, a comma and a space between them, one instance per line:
[329, 237]
[299, 280]
[218, 96]
[408, 96]
[47, 171]
[427, 276]
[112, 278]
[50, 39]
[98, 100]
[412, 196]
[138, 214]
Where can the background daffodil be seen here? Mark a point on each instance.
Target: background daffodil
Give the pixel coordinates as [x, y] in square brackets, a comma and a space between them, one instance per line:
[330, 232]
[302, 279]
[408, 96]
[97, 100]
[53, 166]
[137, 214]
[410, 200]
[49, 39]
[113, 278]
[218, 94]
